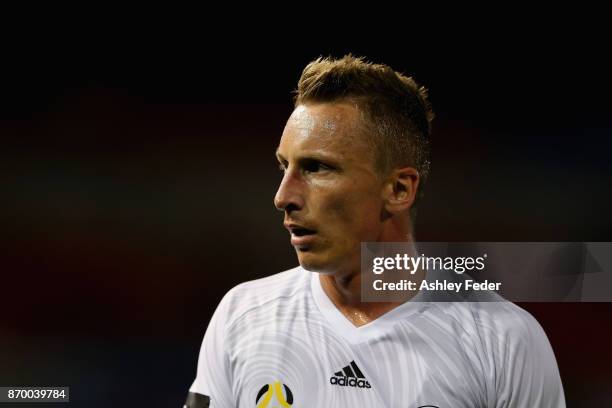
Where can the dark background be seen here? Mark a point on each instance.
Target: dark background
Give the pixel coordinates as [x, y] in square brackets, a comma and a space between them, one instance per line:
[138, 174]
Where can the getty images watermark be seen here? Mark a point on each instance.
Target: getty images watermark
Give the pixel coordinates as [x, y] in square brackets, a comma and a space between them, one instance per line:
[486, 271]
[412, 264]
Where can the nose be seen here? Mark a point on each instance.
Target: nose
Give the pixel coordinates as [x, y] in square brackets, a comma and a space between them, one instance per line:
[290, 195]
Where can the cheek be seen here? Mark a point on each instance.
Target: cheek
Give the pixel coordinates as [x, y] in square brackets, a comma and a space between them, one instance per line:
[353, 215]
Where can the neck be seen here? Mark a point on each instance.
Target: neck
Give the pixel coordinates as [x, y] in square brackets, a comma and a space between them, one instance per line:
[344, 290]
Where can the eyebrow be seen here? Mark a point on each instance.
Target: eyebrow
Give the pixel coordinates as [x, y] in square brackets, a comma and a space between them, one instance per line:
[329, 160]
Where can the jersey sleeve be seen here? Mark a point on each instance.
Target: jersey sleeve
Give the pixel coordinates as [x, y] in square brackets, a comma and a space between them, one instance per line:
[527, 372]
[212, 385]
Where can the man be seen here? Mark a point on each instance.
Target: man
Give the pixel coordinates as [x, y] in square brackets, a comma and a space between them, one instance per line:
[355, 156]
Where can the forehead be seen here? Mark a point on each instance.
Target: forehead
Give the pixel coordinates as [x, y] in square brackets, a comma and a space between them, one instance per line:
[331, 127]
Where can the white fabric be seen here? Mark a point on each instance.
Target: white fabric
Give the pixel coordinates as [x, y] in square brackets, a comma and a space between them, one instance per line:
[284, 328]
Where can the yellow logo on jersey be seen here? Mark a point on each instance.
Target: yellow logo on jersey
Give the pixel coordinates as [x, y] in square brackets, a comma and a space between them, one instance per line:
[272, 396]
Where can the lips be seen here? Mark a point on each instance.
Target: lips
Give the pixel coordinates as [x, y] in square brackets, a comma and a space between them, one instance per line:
[299, 230]
[300, 235]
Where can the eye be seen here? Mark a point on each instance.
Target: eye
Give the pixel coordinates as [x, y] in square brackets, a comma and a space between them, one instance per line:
[314, 166]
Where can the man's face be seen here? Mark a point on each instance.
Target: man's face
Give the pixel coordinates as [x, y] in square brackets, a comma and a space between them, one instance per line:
[330, 192]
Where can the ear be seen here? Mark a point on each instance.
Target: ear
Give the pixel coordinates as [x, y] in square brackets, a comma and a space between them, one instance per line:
[401, 188]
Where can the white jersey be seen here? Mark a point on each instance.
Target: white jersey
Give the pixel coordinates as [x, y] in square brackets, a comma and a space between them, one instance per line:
[280, 342]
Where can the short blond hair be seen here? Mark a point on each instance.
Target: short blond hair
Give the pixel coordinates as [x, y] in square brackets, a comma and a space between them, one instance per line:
[398, 114]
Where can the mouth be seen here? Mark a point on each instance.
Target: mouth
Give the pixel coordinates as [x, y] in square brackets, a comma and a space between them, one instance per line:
[300, 231]
[300, 235]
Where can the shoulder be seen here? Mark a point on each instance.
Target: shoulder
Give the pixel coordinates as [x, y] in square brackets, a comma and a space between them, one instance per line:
[509, 347]
[506, 320]
[498, 327]
[257, 296]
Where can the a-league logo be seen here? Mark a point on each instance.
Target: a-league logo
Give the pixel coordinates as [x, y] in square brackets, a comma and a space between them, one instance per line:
[275, 394]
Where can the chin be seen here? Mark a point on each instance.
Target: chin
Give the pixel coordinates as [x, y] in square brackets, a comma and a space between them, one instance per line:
[314, 263]
[318, 263]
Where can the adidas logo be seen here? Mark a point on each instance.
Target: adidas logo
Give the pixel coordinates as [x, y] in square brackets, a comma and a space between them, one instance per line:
[350, 376]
